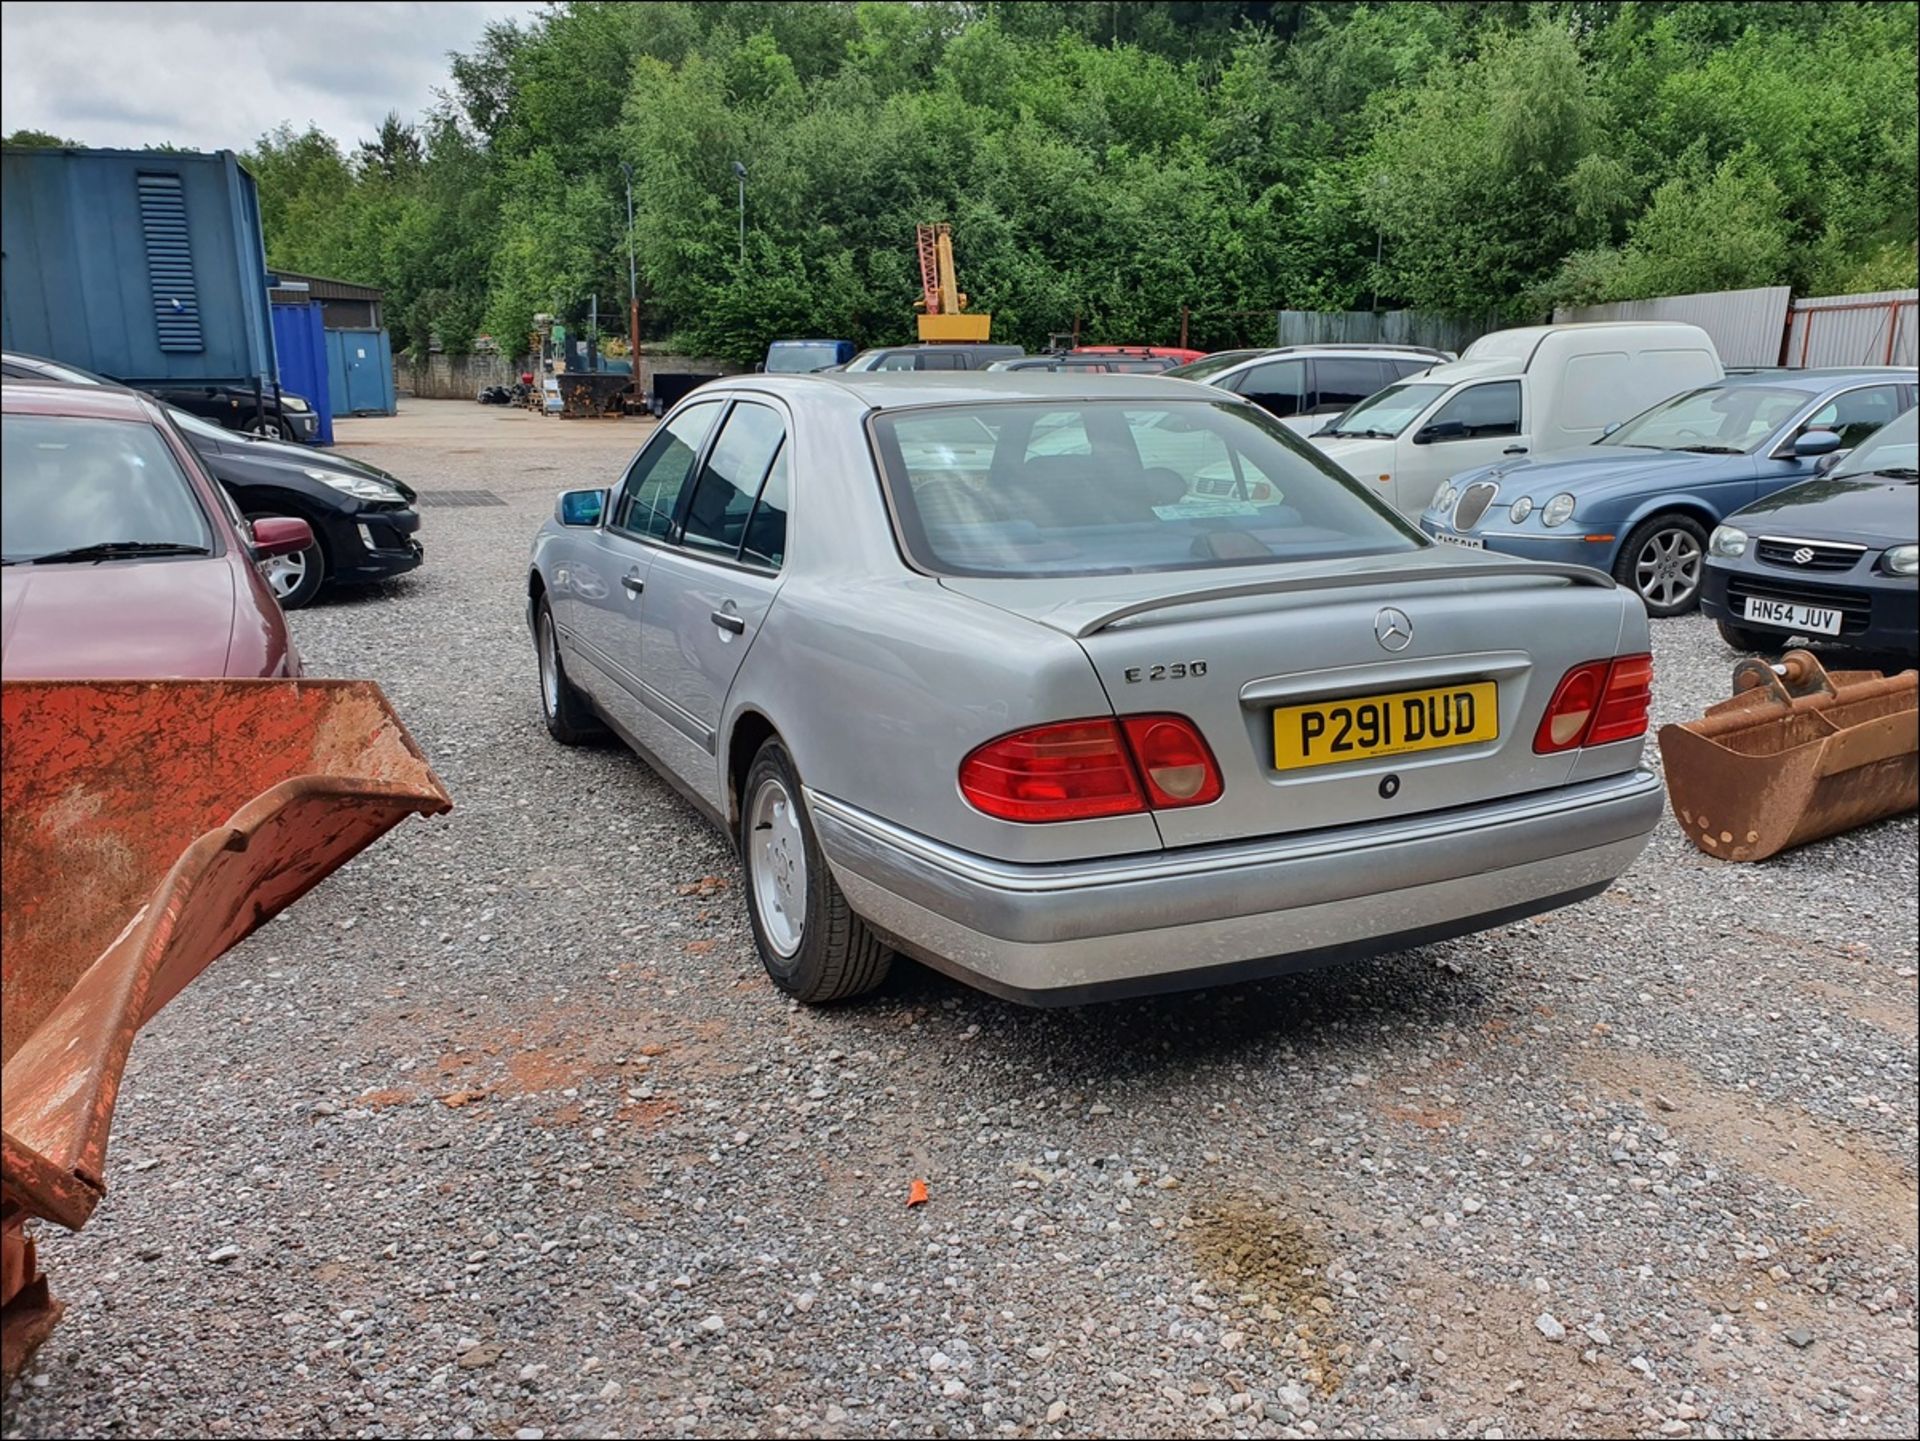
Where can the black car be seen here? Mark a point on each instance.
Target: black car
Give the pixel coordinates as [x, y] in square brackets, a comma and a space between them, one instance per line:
[285, 416]
[288, 416]
[1832, 559]
[363, 519]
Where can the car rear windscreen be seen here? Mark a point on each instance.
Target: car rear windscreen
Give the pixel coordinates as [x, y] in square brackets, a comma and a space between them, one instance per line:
[1032, 488]
[68, 482]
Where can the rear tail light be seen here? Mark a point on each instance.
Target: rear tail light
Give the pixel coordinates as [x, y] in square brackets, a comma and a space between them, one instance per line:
[1174, 760]
[1068, 772]
[1597, 703]
[1623, 710]
[1080, 770]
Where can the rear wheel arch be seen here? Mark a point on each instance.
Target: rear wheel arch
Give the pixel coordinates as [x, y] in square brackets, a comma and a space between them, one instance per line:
[751, 730]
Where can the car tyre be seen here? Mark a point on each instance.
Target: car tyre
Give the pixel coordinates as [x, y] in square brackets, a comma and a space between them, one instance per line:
[269, 425]
[294, 579]
[813, 946]
[570, 720]
[1663, 562]
[1739, 638]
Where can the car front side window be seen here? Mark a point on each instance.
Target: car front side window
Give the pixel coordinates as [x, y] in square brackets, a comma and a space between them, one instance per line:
[1478, 411]
[652, 488]
[1857, 414]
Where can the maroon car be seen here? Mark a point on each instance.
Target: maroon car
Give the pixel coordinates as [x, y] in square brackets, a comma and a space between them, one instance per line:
[124, 560]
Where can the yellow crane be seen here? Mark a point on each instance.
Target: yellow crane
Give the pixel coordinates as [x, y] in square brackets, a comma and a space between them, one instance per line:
[942, 304]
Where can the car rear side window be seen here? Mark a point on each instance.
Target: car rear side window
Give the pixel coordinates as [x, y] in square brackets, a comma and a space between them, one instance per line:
[731, 479]
[1339, 383]
[72, 482]
[1279, 387]
[659, 473]
[766, 537]
[1031, 488]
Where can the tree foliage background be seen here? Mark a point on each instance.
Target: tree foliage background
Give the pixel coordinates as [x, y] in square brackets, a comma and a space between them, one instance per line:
[1118, 161]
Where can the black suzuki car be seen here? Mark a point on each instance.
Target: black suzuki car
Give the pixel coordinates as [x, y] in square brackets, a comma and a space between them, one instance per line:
[1834, 559]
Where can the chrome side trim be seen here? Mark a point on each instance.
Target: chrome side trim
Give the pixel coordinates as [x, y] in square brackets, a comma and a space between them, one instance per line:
[1801, 540]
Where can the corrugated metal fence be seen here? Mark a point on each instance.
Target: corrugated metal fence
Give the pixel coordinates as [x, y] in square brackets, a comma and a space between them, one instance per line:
[1769, 326]
[1746, 325]
[1876, 329]
[1382, 327]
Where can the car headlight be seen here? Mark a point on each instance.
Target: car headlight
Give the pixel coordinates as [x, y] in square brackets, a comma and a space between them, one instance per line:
[1727, 540]
[359, 486]
[1903, 560]
[1559, 510]
[1520, 509]
[1444, 497]
[294, 403]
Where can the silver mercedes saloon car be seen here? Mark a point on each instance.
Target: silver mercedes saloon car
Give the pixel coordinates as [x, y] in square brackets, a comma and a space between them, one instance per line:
[1083, 686]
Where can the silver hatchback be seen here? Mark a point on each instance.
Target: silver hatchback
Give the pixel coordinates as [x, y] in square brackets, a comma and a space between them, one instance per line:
[1075, 687]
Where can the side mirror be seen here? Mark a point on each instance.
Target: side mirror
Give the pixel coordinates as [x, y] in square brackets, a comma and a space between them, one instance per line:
[758, 366]
[1816, 442]
[1827, 462]
[580, 507]
[280, 535]
[1609, 428]
[1439, 430]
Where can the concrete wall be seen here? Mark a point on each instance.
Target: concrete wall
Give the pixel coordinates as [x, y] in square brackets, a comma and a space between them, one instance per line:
[461, 377]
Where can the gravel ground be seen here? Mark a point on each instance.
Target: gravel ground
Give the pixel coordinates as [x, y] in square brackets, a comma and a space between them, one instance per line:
[502, 1132]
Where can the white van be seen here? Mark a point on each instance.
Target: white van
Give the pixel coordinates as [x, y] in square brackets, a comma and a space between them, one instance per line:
[1538, 388]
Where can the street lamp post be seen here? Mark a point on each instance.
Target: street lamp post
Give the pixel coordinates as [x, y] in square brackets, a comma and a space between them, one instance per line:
[633, 290]
[740, 171]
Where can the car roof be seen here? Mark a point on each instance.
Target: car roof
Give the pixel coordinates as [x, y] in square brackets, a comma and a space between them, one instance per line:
[898, 389]
[99, 402]
[1815, 380]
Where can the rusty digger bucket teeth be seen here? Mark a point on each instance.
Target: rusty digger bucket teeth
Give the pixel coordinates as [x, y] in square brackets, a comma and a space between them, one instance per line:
[1798, 753]
[149, 826]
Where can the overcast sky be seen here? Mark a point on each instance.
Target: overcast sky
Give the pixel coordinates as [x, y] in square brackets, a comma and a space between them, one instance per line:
[217, 76]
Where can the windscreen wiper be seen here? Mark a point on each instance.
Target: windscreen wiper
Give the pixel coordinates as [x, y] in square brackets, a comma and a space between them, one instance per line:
[1899, 472]
[118, 550]
[1712, 449]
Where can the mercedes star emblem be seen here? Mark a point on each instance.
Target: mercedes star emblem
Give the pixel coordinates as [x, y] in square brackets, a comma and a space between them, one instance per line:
[1392, 629]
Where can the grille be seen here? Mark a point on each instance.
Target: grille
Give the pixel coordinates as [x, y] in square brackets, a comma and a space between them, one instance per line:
[1473, 504]
[1808, 554]
[458, 497]
[1855, 606]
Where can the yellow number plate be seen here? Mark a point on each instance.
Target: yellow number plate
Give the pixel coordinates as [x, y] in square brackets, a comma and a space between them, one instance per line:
[1367, 727]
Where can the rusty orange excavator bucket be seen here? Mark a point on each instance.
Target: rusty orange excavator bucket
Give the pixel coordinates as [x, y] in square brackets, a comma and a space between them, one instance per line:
[1800, 752]
[148, 827]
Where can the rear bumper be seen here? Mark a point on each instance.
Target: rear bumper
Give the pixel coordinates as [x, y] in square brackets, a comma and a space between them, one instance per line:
[1086, 930]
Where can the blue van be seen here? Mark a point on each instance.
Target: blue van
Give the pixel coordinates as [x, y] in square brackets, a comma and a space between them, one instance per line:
[797, 357]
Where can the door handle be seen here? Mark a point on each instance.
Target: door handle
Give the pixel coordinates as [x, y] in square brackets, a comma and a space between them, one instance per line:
[1514, 450]
[634, 585]
[728, 621]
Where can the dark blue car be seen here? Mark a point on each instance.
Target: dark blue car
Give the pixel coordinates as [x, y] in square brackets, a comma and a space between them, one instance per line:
[1640, 502]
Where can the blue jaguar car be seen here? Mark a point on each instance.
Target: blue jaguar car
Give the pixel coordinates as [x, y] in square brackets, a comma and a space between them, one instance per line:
[1641, 501]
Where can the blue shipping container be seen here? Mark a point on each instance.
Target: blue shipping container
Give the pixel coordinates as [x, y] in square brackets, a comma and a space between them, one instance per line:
[144, 265]
[301, 343]
[360, 372]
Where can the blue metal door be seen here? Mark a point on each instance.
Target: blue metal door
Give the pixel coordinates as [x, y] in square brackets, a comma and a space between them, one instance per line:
[361, 362]
[300, 347]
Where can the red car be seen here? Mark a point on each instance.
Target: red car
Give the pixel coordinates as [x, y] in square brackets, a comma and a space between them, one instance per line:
[1143, 358]
[124, 560]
